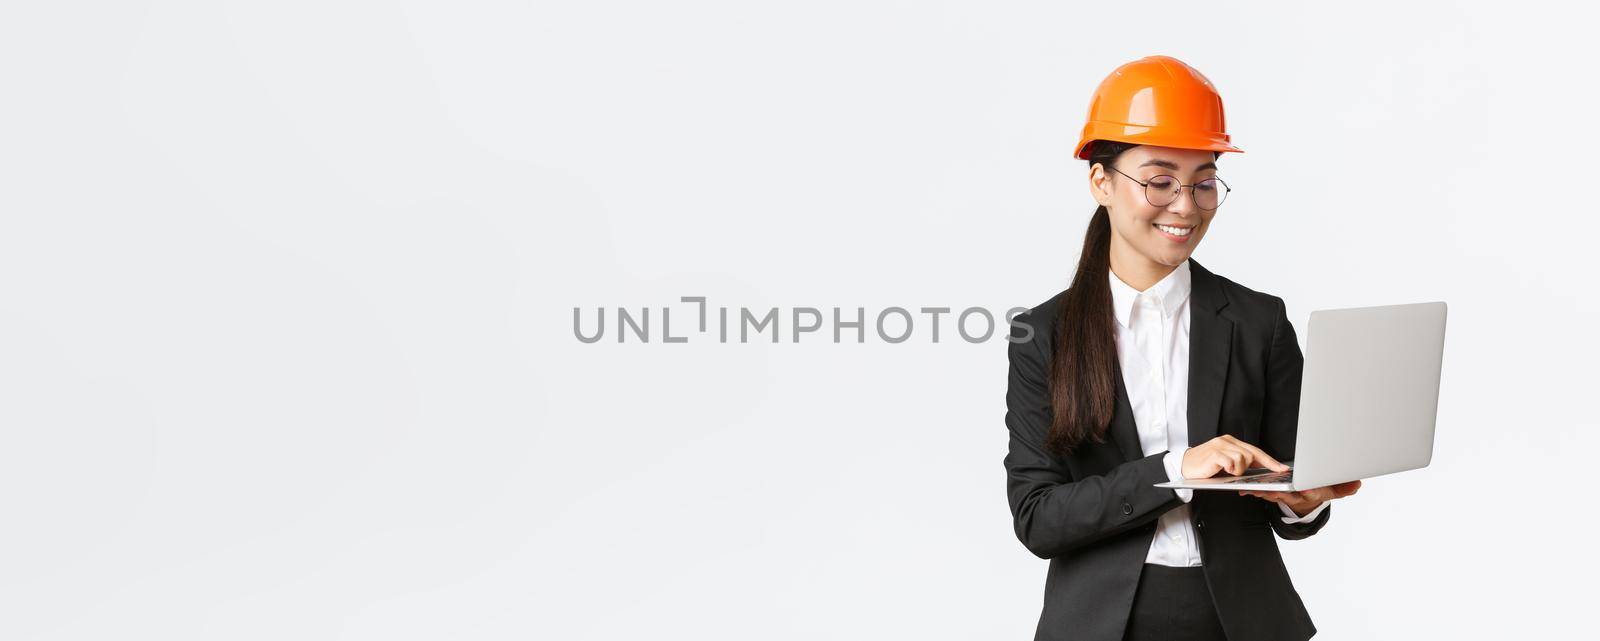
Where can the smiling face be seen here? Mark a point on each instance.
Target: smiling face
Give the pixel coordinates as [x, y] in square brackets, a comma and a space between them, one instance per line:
[1146, 238]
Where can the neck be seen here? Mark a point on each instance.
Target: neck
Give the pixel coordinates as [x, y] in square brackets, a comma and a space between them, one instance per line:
[1133, 268]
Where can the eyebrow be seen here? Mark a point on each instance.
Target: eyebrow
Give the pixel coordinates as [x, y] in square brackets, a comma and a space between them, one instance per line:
[1174, 166]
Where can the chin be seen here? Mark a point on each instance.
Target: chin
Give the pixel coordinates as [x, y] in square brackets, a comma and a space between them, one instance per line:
[1172, 256]
[1172, 259]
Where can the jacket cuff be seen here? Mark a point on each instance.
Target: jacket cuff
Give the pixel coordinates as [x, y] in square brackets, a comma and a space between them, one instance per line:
[1290, 517]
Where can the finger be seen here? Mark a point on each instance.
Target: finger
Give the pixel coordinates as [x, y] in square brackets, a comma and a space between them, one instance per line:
[1262, 458]
[1295, 501]
[1223, 462]
[1331, 492]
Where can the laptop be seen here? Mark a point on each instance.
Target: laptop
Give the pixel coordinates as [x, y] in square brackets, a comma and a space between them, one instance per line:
[1369, 395]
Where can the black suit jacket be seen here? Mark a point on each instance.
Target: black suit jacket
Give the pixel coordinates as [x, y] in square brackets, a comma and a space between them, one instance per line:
[1094, 512]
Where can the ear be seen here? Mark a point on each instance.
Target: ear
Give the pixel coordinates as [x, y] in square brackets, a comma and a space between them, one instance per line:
[1100, 184]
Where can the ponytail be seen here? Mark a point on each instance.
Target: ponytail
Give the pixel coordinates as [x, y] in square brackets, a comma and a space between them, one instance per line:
[1083, 388]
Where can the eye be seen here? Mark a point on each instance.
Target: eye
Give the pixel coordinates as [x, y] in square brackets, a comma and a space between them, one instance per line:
[1162, 182]
[1206, 186]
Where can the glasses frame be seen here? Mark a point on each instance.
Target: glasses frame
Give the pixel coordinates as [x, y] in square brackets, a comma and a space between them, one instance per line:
[1146, 185]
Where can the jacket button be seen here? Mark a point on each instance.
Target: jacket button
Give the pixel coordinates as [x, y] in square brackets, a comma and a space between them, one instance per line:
[1200, 523]
[1127, 509]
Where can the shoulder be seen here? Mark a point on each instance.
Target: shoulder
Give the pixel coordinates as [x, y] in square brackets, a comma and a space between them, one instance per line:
[1036, 324]
[1044, 313]
[1253, 307]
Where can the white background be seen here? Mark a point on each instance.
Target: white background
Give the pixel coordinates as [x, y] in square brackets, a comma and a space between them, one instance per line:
[286, 296]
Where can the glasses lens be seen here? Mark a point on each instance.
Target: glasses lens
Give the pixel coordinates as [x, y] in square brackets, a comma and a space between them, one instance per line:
[1161, 190]
[1209, 193]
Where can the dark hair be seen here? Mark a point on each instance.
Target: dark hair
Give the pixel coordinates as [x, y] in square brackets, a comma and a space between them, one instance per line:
[1083, 387]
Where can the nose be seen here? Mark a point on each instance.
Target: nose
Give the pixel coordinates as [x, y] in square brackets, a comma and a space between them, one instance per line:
[1184, 204]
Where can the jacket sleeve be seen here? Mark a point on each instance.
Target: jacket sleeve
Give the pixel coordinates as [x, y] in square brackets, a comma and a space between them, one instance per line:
[1053, 513]
[1281, 415]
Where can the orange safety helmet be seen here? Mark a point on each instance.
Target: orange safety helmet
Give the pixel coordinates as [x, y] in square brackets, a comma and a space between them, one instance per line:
[1157, 100]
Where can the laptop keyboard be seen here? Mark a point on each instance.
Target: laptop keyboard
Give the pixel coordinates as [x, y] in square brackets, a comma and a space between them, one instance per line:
[1275, 477]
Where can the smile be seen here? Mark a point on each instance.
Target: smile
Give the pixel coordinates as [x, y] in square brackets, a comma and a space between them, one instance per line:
[1180, 232]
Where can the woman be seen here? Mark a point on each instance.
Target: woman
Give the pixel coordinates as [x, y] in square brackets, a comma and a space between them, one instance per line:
[1151, 368]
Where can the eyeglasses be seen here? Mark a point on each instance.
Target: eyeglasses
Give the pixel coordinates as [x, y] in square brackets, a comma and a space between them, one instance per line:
[1161, 190]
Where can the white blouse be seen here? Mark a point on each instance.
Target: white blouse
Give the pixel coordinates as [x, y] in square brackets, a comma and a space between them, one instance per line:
[1153, 348]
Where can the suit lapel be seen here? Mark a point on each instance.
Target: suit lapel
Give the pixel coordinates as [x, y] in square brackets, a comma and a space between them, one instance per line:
[1210, 344]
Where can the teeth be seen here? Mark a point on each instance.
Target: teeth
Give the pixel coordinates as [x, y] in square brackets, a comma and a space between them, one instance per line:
[1175, 231]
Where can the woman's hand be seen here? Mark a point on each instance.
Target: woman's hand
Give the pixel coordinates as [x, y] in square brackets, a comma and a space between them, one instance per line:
[1226, 454]
[1304, 501]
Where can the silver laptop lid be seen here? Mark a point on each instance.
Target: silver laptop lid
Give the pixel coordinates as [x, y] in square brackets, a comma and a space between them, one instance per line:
[1370, 392]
